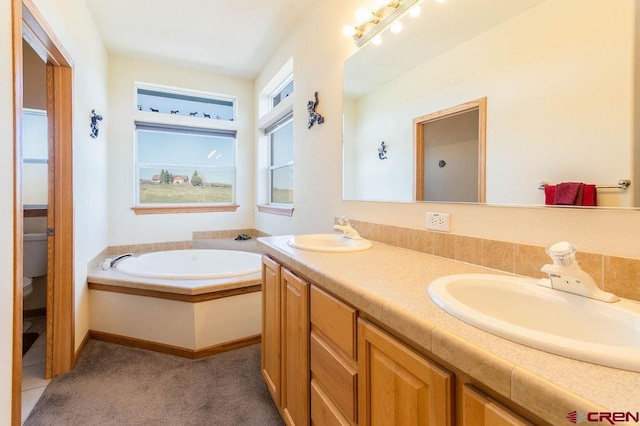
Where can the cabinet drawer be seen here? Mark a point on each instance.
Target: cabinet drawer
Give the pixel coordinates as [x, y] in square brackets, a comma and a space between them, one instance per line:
[480, 410]
[334, 319]
[323, 412]
[335, 375]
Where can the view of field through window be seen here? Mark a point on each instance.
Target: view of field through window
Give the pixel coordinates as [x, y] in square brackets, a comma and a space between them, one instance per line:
[185, 166]
[282, 164]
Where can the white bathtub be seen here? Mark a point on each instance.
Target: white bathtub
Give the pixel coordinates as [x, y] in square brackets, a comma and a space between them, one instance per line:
[191, 264]
[195, 302]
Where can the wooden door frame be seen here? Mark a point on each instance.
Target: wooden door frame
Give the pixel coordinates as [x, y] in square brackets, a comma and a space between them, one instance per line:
[28, 23]
[418, 132]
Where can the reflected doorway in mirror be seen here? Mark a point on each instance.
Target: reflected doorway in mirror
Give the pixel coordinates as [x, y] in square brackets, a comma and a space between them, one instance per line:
[457, 134]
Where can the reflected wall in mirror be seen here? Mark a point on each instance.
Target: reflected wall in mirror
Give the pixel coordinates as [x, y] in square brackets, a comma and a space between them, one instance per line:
[559, 80]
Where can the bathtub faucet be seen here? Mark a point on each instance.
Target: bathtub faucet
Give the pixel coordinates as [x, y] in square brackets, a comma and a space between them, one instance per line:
[119, 258]
[347, 230]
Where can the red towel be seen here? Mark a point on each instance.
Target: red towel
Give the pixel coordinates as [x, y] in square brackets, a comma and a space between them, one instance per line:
[567, 193]
[550, 195]
[589, 195]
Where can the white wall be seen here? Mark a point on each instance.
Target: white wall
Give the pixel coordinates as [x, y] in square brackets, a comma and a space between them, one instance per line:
[559, 91]
[125, 227]
[72, 24]
[6, 214]
[319, 50]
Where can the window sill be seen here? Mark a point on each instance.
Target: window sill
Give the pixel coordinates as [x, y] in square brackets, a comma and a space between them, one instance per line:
[185, 209]
[275, 209]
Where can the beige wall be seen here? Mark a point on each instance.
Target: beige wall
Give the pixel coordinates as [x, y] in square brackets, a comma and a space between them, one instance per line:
[6, 214]
[35, 79]
[319, 50]
[124, 226]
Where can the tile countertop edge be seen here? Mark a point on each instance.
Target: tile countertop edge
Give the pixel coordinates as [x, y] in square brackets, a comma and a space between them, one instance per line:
[551, 401]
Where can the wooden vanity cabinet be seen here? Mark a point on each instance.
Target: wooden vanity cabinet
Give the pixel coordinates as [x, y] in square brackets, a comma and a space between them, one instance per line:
[398, 386]
[479, 409]
[270, 358]
[323, 365]
[334, 370]
[285, 341]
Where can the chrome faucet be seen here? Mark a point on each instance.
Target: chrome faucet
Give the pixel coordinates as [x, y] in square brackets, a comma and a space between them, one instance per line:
[118, 259]
[347, 230]
[566, 275]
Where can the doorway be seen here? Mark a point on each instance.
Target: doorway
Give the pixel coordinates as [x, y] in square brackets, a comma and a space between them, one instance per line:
[29, 26]
[450, 154]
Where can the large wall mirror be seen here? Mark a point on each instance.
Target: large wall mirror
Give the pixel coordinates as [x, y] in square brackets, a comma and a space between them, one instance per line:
[558, 77]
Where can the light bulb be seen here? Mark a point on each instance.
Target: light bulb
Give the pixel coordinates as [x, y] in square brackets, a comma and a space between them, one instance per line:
[415, 11]
[377, 40]
[396, 27]
[349, 30]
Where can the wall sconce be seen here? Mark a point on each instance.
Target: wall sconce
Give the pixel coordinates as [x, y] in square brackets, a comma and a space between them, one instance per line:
[371, 24]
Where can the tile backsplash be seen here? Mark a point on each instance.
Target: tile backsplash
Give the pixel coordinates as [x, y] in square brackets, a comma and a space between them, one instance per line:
[197, 242]
[617, 275]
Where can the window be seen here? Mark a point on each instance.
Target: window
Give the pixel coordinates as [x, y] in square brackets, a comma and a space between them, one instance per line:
[282, 93]
[281, 161]
[34, 157]
[275, 191]
[179, 102]
[184, 160]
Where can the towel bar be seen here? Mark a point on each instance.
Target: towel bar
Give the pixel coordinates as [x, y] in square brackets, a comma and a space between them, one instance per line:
[622, 184]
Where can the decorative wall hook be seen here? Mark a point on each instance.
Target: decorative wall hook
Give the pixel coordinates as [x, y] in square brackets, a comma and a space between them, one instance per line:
[382, 151]
[313, 115]
[94, 123]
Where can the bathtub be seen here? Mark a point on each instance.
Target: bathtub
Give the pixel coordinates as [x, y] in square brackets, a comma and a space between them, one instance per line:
[191, 264]
[191, 303]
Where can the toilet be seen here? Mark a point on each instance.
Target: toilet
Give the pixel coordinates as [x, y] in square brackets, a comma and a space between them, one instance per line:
[34, 264]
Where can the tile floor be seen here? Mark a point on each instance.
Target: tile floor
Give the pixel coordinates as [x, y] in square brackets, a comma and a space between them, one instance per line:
[33, 381]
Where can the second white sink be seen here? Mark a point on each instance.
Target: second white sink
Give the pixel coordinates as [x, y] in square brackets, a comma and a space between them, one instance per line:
[328, 243]
[554, 321]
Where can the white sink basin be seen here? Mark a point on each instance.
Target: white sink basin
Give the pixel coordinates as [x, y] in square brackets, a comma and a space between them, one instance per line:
[328, 242]
[554, 321]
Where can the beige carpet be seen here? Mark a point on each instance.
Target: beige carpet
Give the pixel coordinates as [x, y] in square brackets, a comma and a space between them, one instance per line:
[118, 385]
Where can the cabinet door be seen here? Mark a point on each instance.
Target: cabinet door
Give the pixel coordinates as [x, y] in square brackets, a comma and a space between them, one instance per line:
[480, 410]
[397, 385]
[295, 349]
[270, 359]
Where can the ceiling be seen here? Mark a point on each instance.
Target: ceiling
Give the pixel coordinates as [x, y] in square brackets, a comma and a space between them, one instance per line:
[233, 37]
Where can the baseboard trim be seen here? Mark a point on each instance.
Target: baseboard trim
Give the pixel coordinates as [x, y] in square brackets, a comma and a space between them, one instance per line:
[78, 352]
[174, 350]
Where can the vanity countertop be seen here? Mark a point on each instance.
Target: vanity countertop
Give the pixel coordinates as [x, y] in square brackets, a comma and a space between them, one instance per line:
[390, 284]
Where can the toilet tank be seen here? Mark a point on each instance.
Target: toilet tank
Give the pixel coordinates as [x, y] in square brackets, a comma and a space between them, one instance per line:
[34, 255]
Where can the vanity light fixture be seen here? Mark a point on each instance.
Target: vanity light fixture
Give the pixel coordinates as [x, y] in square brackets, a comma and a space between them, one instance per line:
[371, 24]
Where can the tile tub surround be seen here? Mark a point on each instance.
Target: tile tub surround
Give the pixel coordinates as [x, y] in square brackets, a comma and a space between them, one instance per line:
[614, 274]
[223, 240]
[390, 284]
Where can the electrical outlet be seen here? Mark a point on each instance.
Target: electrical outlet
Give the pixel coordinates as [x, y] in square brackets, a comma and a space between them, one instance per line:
[438, 222]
